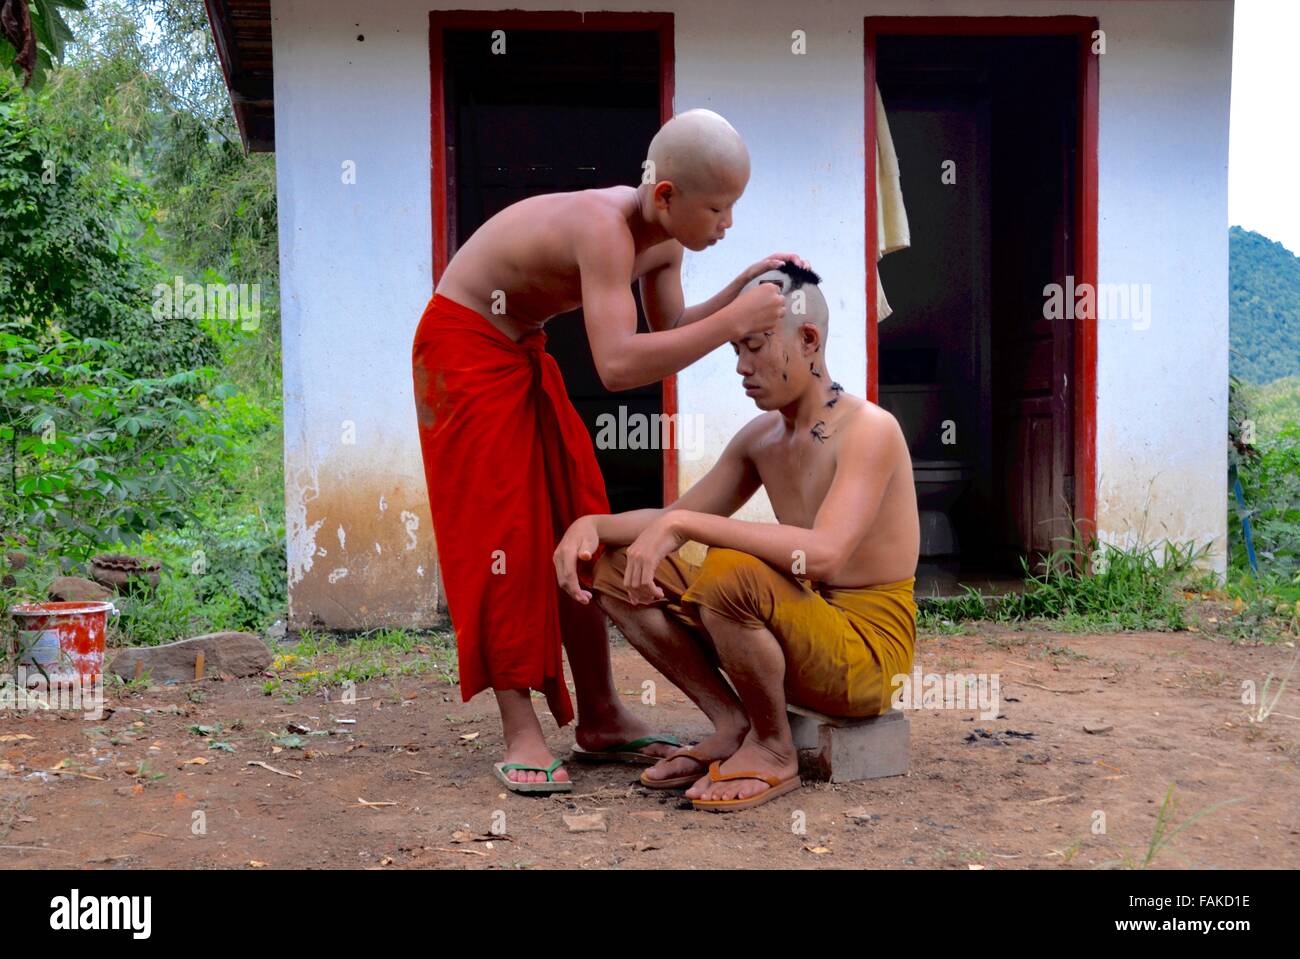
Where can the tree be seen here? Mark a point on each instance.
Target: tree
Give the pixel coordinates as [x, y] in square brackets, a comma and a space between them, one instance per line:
[33, 35]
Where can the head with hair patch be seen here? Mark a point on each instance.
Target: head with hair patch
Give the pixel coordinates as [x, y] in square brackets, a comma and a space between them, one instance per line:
[777, 367]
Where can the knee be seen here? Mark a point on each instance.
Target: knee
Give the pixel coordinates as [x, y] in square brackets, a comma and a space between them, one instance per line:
[729, 588]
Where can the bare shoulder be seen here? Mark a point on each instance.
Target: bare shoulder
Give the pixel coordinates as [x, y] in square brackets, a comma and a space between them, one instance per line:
[752, 435]
[871, 427]
[595, 214]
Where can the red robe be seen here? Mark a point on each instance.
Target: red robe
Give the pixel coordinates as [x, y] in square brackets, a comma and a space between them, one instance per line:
[509, 465]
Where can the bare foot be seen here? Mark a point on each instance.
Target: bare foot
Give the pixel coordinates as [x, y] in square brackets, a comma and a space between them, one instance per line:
[772, 758]
[620, 727]
[532, 754]
[718, 746]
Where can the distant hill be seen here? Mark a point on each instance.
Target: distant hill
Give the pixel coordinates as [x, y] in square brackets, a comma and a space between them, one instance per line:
[1273, 405]
[1263, 307]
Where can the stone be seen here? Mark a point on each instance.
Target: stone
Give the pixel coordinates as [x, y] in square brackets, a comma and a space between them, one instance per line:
[591, 822]
[230, 653]
[74, 589]
[843, 749]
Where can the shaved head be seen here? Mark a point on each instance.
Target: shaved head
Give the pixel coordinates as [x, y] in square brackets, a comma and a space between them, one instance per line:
[804, 301]
[698, 150]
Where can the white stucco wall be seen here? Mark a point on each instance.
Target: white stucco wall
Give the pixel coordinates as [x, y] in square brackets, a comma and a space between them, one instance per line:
[356, 258]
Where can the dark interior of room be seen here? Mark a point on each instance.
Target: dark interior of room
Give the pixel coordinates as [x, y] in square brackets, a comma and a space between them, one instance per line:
[979, 378]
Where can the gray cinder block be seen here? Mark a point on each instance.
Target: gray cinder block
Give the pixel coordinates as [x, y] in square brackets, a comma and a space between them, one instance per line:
[846, 749]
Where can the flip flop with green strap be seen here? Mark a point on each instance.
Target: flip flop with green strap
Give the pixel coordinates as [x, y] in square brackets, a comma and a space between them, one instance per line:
[624, 752]
[550, 786]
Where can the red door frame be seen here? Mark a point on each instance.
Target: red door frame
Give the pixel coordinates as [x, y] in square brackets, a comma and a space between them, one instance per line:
[1085, 208]
[440, 20]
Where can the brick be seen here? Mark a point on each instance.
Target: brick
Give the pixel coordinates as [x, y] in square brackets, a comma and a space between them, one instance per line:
[844, 749]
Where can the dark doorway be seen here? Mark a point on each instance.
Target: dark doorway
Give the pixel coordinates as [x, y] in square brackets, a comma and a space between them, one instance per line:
[983, 378]
[560, 110]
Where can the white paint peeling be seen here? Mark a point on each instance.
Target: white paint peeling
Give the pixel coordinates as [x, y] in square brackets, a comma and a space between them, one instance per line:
[300, 536]
[337, 574]
[343, 538]
[412, 523]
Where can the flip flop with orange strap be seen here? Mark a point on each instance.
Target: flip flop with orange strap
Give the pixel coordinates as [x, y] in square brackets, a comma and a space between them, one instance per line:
[776, 787]
[677, 782]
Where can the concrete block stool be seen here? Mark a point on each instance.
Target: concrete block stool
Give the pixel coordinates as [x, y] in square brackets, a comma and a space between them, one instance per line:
[847, 750]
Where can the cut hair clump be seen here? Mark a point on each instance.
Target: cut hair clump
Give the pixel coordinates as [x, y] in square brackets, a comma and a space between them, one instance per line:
[798, 275]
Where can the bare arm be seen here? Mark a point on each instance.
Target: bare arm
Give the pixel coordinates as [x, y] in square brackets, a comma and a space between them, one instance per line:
[625, 359]
[723, 490]
[664, 302]
[720, 492]
[846, 514]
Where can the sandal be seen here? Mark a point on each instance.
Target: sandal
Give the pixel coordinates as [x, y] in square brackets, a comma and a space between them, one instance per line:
[550, 786]
[677, 782]
[776, 787]
[624, 752]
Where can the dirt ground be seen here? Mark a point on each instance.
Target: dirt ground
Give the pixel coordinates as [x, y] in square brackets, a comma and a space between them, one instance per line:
[409, 783]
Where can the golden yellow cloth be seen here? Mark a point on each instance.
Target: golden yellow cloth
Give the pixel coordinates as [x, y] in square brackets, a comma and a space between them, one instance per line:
[842, 646]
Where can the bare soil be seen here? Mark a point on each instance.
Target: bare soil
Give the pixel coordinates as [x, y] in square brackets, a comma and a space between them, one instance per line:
[410, 785]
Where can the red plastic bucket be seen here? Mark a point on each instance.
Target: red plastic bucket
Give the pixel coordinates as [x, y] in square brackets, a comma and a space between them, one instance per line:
[62, 640]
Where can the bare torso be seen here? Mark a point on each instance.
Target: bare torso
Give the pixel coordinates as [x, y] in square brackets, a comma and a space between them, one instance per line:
[796, 469]
[527, 252]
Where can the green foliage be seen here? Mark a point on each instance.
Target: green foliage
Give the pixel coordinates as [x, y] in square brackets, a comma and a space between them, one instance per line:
[1087, 586]
[1272, 406]
[50, 33]
[235, 562]
[1263, 307]
[1267, 461]
[124, 172]
[90, 455]
[74, 233]
[175, 610]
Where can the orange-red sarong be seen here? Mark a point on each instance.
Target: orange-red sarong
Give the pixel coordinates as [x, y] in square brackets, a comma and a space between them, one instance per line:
[509, 465]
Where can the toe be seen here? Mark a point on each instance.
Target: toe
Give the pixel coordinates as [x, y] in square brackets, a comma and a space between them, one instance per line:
[699, 789]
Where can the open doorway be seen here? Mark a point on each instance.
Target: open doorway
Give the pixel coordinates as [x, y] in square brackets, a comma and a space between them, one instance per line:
[986, 129]
[569, 108]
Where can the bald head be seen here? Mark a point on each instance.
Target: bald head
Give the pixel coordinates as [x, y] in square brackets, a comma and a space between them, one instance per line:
[698, 150]
[804, 302]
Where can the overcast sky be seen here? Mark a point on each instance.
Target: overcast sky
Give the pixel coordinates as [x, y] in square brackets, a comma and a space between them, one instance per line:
[1264, 143]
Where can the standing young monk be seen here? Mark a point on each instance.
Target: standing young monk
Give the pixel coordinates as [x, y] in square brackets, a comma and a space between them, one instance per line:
[508, 462]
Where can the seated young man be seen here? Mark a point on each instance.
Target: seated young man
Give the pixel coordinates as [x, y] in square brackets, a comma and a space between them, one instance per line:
[815, 609]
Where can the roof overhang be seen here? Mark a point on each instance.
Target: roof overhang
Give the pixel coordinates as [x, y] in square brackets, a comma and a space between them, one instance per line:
[242, 31]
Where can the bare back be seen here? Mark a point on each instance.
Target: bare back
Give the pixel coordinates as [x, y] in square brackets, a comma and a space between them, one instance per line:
[797, 470]
[528, 252]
